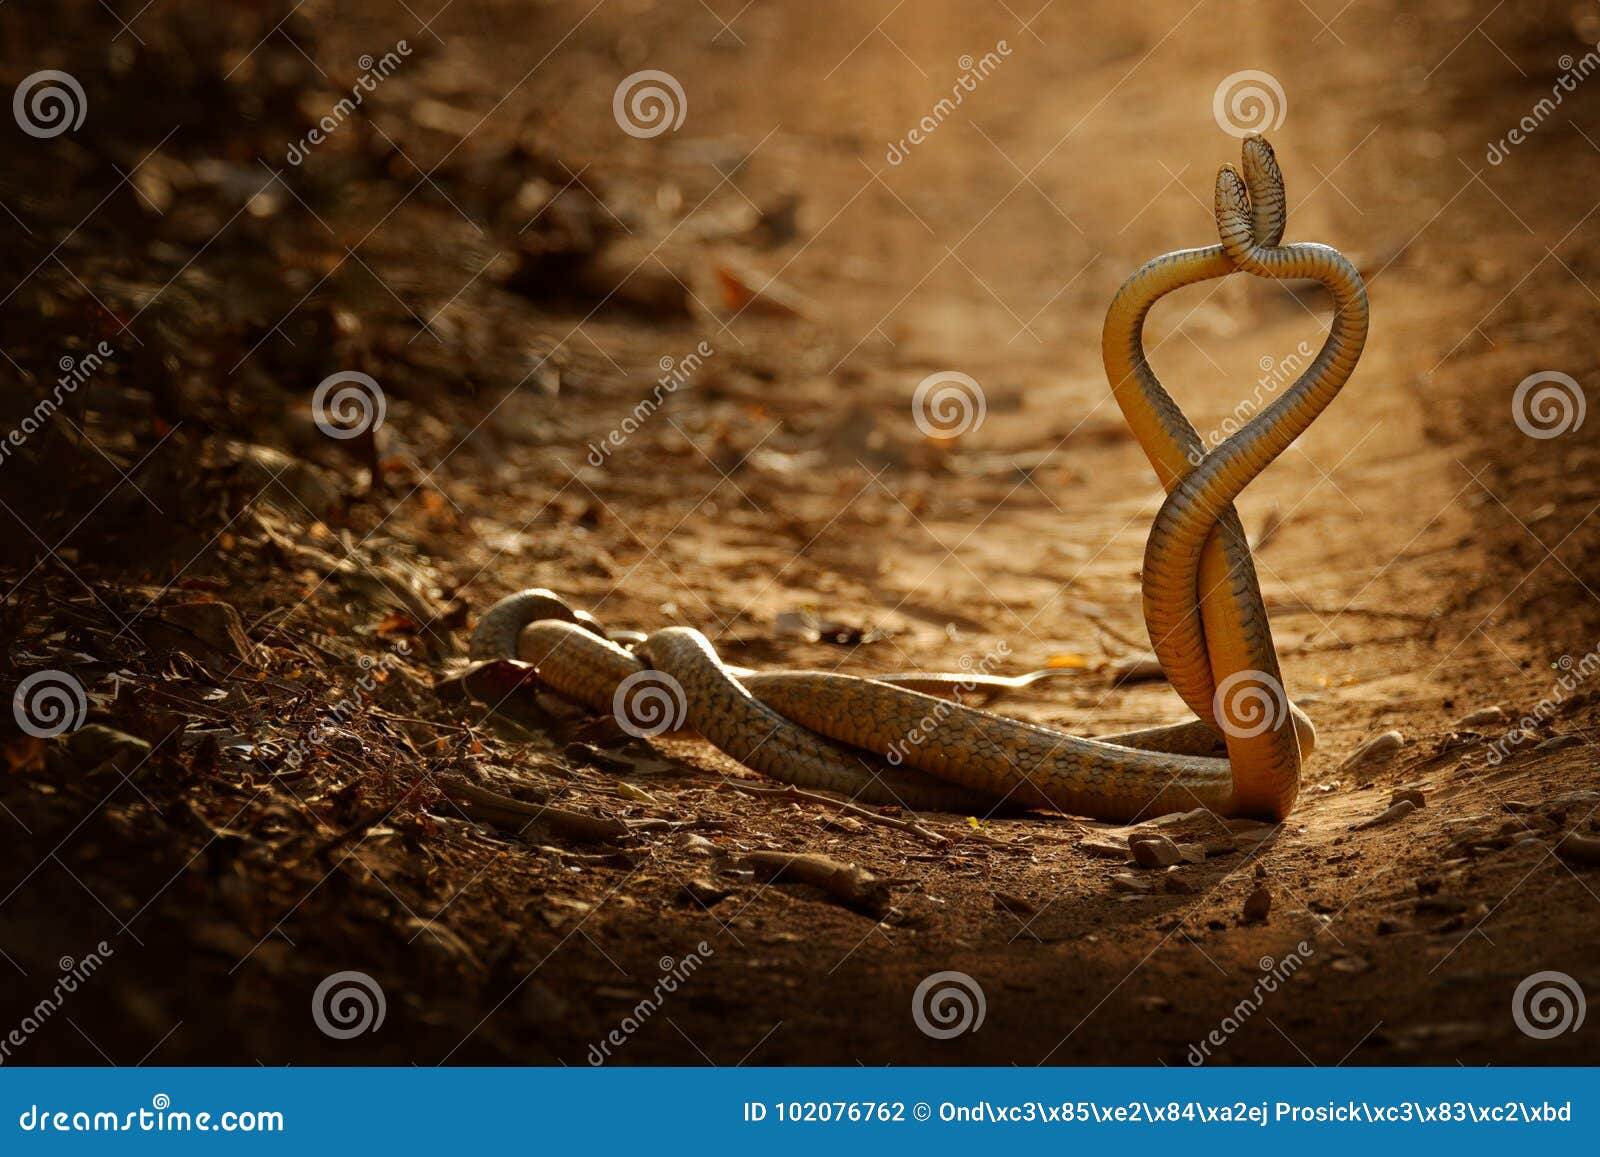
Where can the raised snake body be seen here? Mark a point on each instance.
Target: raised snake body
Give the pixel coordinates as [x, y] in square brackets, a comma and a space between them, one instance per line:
[867, 738]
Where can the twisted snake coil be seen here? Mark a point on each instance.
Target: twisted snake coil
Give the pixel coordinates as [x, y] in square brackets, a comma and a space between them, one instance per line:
[880, 740]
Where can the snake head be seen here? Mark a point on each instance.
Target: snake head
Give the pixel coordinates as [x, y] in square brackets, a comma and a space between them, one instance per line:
[1264, 179]
[1234, 224]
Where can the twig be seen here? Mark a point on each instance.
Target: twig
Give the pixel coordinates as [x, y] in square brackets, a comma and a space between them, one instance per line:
[481, 803]
[855, 888]
[793, 793]
[1125, 640]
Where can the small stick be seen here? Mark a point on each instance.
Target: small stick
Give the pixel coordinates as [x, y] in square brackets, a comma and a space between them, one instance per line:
[855, 888]
[793, 793]
[481, 803]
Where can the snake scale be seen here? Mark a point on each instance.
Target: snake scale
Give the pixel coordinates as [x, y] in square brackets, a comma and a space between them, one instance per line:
[901, 740]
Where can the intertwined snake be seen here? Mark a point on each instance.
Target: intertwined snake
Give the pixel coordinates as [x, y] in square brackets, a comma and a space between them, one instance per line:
[879, 740]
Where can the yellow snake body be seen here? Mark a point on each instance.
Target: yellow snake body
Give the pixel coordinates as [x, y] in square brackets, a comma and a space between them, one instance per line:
[880, 740]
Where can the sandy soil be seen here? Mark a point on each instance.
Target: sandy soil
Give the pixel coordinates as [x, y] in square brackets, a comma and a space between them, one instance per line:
[1430, 559]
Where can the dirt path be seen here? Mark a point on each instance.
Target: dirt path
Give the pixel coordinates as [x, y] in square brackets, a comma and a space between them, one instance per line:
[1430, 560]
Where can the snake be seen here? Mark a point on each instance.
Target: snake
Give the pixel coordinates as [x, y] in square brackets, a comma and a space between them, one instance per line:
[911, 740]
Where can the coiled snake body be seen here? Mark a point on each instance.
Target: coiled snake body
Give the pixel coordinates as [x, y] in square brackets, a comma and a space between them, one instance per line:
[888, 741]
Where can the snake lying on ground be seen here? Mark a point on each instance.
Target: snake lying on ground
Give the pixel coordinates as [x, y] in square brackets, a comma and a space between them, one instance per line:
[879, 740]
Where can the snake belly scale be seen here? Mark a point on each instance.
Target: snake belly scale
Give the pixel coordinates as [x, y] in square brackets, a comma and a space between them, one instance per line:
[899, 740]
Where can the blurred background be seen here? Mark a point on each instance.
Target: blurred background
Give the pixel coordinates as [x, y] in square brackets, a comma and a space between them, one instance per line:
[327, 323]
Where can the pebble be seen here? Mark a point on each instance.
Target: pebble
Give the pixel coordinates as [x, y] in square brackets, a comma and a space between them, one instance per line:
[1128, 882]
[702, 891]
[1378, 748]
[1409, 793]
[698, 845]
[1155, 851]
[1177, 885]
[1101, 846]
[1398, 811]
[1481, 717]
[1257, 906]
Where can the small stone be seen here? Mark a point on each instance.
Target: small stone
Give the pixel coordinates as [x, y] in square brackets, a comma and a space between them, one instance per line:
[1155, 852]
[1390, 927]
[1482, 717]
[697, 845]
[1192, 853]
[1374, 751]
[1351, 964]
[1411, 794]
[1154, 1003]
[1128, 882]
[704, 892]
[1177, 885]
[1102, 846]
[1257, 906]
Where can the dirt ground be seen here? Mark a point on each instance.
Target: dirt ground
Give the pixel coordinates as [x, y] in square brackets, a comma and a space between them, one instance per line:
[266, 788]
